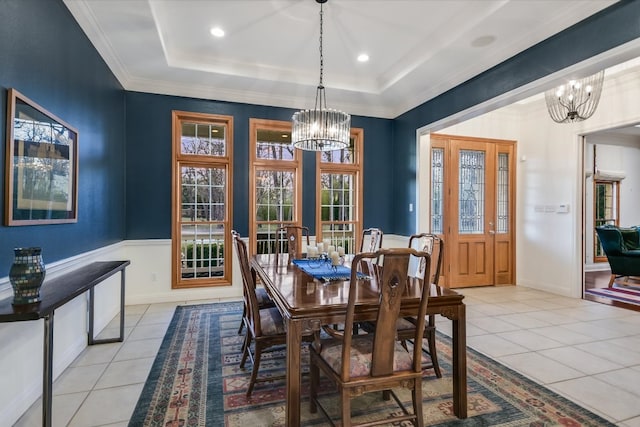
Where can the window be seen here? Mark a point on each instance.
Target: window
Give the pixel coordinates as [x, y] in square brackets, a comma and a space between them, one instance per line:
[201, 234]
[275, 186]
[605, 211]
[339, 195]
[437, 189]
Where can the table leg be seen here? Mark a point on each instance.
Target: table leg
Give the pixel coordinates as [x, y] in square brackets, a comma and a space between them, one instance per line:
[91, 339]
[294, 344]
[47, 377]
[460, 363]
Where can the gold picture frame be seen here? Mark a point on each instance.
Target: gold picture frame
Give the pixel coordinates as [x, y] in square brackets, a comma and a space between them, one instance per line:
[41, 185]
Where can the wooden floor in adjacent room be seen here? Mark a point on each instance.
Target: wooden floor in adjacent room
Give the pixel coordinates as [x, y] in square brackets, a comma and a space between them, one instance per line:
[600, 279]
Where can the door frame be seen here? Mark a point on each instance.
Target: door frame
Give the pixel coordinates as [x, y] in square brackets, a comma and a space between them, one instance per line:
[423, 202]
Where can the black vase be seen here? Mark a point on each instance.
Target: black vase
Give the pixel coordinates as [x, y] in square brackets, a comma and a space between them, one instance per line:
[26, 275]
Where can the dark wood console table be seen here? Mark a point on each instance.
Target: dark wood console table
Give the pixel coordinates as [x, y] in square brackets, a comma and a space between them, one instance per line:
[55, 293]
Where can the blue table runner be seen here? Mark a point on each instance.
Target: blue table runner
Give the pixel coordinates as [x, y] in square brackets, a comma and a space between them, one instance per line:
[323, 270]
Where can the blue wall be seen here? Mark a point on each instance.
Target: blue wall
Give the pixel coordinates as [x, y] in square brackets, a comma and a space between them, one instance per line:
[603, 31]
[46, 56]
[148, 167]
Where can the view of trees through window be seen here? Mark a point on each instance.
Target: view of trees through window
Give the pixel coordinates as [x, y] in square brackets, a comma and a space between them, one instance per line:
[276, 174]
[276, 193]
[201, 233]
[339, 182]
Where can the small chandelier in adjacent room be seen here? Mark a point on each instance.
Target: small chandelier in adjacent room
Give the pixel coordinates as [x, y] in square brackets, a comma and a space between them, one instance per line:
[576, 100]
[321, 129]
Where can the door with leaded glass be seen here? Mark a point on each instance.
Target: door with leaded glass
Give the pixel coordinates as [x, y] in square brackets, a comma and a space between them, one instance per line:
[476, 211]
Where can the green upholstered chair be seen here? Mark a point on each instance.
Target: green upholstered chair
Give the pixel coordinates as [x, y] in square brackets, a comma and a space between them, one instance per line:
[622, 247]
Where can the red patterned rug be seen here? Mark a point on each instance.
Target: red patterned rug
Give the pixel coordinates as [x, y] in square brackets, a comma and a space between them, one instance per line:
[626, 294]
[195, 381]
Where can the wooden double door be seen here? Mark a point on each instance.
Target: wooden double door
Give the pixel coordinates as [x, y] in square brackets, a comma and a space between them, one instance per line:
[473, 208]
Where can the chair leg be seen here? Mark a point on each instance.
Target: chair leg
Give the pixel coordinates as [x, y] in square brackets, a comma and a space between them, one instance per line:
[612, 279]
[417, 403]
[433, 351]
[245, 348]
[244, 313]
[256, 365]
[314, 381]
[345, 408]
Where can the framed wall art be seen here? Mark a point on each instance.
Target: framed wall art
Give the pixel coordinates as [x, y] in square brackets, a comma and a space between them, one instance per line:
[41, 165]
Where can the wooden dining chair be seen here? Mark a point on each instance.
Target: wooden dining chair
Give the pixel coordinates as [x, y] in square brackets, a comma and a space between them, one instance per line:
[291, 237]
[365, 363]
[371, 241]
[265, 326]
[433, 245]
[262, 297]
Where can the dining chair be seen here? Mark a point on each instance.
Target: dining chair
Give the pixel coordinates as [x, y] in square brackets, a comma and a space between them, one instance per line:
[291, 238]
[365, 363]
[262, 296]
[433, 245]
[371, 241]
[265, 327]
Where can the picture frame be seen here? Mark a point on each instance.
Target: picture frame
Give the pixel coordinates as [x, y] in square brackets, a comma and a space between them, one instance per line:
[41, 185]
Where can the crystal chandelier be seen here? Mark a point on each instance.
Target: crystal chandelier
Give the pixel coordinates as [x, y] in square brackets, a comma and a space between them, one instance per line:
[321, 129]
[576, 100]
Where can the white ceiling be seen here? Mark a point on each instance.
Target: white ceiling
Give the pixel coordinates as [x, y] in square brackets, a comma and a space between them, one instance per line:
[270, 54]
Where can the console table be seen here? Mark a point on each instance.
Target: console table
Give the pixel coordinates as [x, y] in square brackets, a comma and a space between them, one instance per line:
[55, 293]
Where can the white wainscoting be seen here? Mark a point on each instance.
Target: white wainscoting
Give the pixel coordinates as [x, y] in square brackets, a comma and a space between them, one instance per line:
[21, 358]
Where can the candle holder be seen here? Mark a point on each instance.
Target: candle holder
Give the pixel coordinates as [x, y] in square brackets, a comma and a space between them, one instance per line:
[319, 261]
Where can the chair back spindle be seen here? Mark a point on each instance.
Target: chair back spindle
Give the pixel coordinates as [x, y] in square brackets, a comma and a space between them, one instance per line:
[291, 236]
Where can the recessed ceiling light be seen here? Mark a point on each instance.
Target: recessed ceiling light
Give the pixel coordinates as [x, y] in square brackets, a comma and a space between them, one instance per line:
[217, 32]
[363, 57]
[483, 41]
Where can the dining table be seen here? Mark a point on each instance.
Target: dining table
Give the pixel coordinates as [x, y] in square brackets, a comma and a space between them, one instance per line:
[306, 303]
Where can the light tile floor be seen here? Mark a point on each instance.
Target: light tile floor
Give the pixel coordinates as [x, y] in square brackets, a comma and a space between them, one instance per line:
[585, 351]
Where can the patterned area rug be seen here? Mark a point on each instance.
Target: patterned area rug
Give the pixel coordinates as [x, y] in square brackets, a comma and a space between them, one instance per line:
[195, 381]
[627, 294]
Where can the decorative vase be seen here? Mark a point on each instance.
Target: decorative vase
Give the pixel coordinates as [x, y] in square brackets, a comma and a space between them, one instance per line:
[26, 275]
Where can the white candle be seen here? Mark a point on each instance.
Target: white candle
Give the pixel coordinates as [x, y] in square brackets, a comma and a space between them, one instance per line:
[340, 251]
[335, 258]
[331, 248]
[312, 251]
[320, 247]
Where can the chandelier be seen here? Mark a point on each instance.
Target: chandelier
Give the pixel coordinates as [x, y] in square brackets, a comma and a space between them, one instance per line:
[321, 129]
[576, 100]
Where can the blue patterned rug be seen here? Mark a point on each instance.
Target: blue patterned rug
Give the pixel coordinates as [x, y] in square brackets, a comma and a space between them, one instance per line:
[195, 381]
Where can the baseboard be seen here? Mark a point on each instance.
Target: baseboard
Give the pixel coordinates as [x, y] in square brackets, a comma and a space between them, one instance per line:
[552, 289]
[600, 266]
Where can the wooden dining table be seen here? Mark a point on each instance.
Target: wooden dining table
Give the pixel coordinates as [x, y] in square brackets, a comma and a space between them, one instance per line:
[307, 303]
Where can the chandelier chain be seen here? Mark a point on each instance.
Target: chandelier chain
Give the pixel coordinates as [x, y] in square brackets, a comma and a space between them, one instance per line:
[320, 129]
[321, 55]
